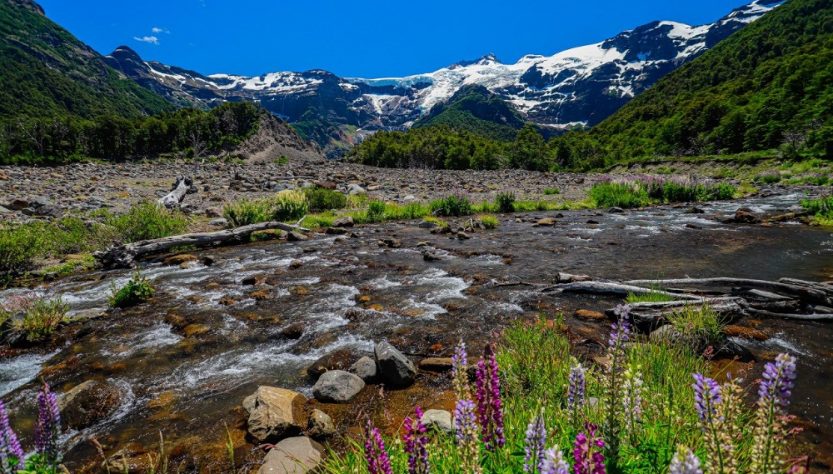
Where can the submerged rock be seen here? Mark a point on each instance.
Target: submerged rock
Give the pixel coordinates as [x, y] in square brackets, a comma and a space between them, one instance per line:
[435, 364]
[339, 359]
[337, 386]
[88, 403]
[275, 413]
[297, 455]
[396, 369]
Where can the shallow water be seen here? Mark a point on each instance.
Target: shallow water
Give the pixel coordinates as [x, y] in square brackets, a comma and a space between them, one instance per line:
[349, 292]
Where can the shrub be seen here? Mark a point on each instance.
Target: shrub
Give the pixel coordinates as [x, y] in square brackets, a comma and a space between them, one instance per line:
[770, 178]
[619, 195]
[698, 324]
[505, 202]
[136, 291]
[414, 210]
[489, 222]
[375, 211]
[551, 191]
[451, 206]
[148, 221]
[289, 205]
[323, 199]
[19, 246]
[248, 211]
[821, 209]
[42, 317]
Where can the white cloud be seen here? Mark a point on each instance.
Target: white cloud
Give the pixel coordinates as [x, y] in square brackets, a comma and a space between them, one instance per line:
[147, 39]
[156, 30]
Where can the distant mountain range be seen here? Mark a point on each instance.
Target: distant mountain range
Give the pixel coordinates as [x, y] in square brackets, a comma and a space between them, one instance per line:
[574, 88]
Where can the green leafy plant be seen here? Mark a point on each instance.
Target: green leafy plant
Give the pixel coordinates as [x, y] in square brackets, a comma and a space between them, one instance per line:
[136, 291]
[489, 222]
[289, 205]
[375, 211]
[247, 212]
[622, 195]
[42, 317]
[451, 206]
[551, 191]
[323, 199]
[505, 202]
[148, 221]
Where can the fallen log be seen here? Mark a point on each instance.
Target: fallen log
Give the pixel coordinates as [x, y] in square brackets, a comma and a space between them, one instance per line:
[125, 255]
[173, 199]
[800, 317]
[809, 284]
[808, 294]
[649, 316]
[610, 288]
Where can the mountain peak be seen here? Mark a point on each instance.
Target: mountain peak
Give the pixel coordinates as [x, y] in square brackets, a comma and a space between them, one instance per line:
[484, 60]
[125, 52]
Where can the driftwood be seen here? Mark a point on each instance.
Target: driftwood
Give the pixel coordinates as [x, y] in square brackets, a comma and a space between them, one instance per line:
[811, 294]
[173, 199]
[124, 256]
[801, 317]
[611, 288]
[648, 316]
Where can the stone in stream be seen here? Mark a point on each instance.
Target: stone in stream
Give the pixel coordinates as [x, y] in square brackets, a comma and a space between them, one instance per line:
[320, 425]
[395, 369]
[439, 420]
[345, 221]
[88, 403]
[366, 369]
[339, 359]
[337, 386]
[435, 364]
[275, 413]
[744, 215]
[297, 455]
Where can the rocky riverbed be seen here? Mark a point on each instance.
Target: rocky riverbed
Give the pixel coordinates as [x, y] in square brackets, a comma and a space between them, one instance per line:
[225, 322]
[48, 192]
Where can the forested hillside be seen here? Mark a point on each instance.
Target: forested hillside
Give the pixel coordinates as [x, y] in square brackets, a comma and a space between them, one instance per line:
[767, 86]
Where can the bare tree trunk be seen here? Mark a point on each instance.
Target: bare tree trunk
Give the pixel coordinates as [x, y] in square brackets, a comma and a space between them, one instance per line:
[173, 199]
[125, 256]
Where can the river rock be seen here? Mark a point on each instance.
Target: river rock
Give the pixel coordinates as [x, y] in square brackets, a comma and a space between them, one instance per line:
[320, 425]
[366, 369]
[88, 403]
[439, 420]
[435, 364]
[275, 413]
[297, 455]
[345, 221]
[546, 221]
[744, 215]
[340, 359]
[589, 314]
[337, 386]
[395, 369]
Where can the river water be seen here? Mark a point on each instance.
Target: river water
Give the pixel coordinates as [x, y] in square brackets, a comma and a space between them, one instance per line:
[345, 292]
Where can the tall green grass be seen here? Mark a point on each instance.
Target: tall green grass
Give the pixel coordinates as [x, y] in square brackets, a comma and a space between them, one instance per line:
[821, 209]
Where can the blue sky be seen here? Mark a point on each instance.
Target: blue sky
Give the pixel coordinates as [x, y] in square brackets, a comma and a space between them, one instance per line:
[369, 38]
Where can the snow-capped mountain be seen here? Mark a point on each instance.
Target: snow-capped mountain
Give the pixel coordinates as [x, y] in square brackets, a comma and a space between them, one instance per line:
[576, 87]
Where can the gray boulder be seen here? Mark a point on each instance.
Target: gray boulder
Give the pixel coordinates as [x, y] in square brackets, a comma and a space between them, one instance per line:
[297, 455]
[365, 368]
[88, 403]
[395, 369]
[439, 420]
[337, 386]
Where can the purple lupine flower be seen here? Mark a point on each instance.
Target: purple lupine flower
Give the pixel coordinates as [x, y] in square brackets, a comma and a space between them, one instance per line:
[553, 462]
[375, 453]
[48, 427]
[466, 430]
[536, 439]
[621, 329]
[778, 380]
[576, 388]
[459, 372]
[616, 353]
[770, 431]
[587, 452]
[685, 462]
[489, 406]
[706, 395]
[11, 454]
[416, 443]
